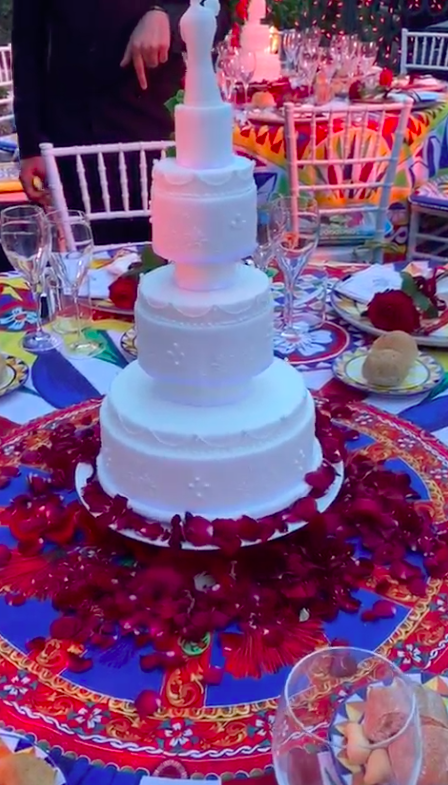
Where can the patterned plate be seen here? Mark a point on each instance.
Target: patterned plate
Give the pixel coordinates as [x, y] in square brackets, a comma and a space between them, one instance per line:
[127, 342]
[84, 472]
[353, 711]
[14, 375]
[20, 744]
[353, 313]
[423, 376]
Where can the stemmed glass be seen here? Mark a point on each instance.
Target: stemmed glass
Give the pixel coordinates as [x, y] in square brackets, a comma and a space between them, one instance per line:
[291, 40]
[245, 63]
[71, 257]
[225, 68]
[25, 238]
[270, 225]
[298, 240]
[346, 710]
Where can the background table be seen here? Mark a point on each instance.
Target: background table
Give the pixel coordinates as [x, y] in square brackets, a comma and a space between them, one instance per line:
[234, 717]
[424, 154]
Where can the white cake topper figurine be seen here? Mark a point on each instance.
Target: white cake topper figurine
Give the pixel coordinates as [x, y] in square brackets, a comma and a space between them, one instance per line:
[198, 28]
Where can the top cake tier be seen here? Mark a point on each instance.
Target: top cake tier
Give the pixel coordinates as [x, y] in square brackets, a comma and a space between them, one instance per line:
[203, 123]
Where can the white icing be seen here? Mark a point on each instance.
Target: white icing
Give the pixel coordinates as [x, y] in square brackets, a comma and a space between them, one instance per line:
[203, 216]
[175, 458]
[255, 37]
[213, 127]
[199, 353]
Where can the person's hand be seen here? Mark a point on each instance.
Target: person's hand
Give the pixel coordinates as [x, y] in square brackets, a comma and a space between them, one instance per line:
[148, 45]
[32, 177]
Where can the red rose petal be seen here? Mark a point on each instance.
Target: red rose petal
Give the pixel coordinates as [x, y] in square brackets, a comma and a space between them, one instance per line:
[147, 703]
[5, 555]
[198, 531]
[149, 662]
[65, 628]
[213, 676]
[36, 644]
[381, 609]
[78, 664]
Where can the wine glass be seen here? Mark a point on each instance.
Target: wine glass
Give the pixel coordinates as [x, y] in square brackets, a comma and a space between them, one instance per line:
[25, 239]
[346, 710]
[297, 241]
[270, 224]
[71, 257]
[245, 63]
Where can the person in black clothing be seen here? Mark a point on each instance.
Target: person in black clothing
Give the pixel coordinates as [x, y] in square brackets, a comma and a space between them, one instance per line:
[95, 71]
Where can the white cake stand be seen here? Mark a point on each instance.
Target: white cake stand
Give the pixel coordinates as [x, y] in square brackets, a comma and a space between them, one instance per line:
[84, 472]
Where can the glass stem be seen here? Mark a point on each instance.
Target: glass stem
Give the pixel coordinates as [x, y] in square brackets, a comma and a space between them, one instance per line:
[288, 306]
[36, 292]
[79, 333]
[246, 97]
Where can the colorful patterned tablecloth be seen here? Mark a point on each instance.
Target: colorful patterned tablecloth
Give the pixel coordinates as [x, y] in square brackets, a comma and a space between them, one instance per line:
[224, 729]
[424, 154]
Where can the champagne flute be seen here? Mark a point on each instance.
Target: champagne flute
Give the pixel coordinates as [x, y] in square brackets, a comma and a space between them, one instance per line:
[71, 257]
[25, 238]
[329, 693]
[298, 240]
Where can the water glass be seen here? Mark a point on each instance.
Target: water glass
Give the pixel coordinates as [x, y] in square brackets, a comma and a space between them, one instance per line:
[310, 301]
[298, 241]
[25, 239]
[62, 307]
[71, 257]
[270, 224]
[343, 711]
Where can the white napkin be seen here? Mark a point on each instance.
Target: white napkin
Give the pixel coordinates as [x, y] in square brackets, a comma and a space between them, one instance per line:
[363, 286]
[99, 279]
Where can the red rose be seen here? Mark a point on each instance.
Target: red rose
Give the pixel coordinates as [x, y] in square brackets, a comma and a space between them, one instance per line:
[356, 91]
[386, 78]
[123, 292]
[394, 310]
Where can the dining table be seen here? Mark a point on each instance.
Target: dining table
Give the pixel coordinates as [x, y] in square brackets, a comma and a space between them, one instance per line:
[220, 730]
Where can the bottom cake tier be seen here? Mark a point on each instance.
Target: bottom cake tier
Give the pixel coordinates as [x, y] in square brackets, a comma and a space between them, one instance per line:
[249, 458]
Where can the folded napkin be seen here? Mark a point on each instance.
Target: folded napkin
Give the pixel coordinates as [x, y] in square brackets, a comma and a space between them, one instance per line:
[104, 272]
[363, 286]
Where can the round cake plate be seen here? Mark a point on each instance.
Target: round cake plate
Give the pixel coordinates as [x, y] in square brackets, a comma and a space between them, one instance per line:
[84, 472]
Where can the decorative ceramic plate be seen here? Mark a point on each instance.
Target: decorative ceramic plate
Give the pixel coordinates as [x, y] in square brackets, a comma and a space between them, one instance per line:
[22, 745]
[14, 375]
[84, 472]
[353, 711]
[423, 376]
[353, 313]
[127, 342]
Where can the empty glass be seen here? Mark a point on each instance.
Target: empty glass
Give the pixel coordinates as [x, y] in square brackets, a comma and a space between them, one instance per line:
[270, 224]
[298, 240]
[26, 242]
[310, 301]
[71, 256]
[346, 715]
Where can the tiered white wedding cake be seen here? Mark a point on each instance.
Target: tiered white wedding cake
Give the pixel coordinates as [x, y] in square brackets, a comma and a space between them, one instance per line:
[206, 420]
[256, 37]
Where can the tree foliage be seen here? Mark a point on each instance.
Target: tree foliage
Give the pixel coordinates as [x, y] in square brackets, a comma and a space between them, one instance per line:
[5, 21]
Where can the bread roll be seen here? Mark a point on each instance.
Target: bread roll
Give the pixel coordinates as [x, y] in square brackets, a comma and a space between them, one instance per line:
[399, 342]
[386, 367]
[386, 711]
[431, 707]
[434, 768]
[263, 99]
[25, 769]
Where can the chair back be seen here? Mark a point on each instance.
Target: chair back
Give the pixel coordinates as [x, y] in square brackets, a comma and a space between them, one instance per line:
[423, 51]
[107, 176]
[6, 66]
[347, 155]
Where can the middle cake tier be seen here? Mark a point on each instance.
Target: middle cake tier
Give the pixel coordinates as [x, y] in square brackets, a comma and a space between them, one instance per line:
[203, 349]
[220, 461]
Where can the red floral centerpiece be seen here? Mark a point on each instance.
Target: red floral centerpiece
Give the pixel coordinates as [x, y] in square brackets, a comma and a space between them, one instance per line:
[123, 291]
[405, 308]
